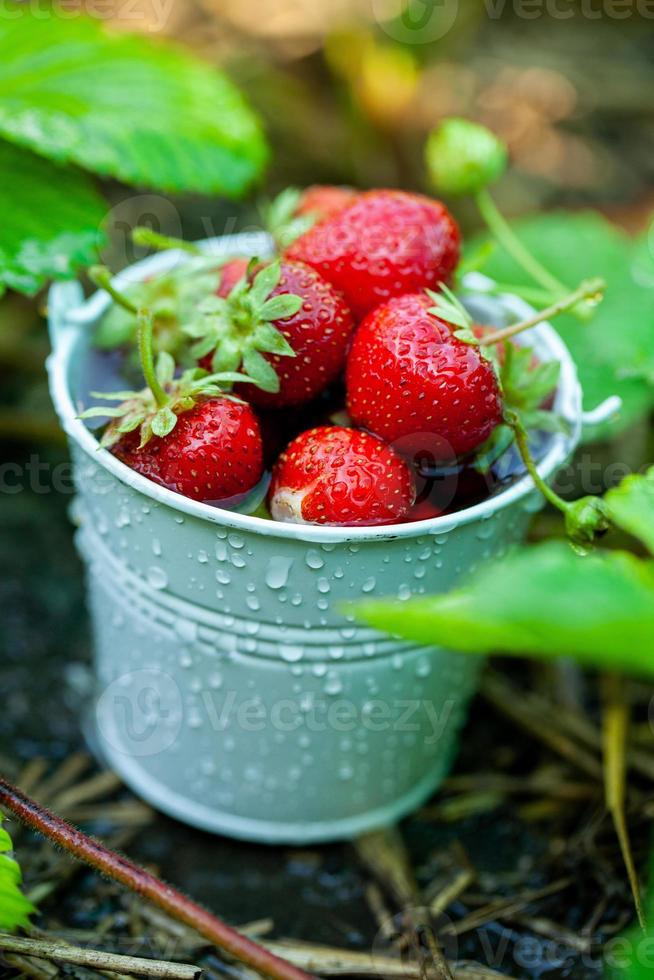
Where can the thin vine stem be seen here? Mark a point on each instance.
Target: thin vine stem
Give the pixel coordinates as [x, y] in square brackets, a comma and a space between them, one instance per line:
[101, 277]
[522, 442]
[502, 231]
[153, 239]
[591, 290]
[142, 882]
[146, 355]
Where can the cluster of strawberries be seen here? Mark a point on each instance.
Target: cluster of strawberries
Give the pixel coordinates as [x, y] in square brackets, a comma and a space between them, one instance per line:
[358, 292]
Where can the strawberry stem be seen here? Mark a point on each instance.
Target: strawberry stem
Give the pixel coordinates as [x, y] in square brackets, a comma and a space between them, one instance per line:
[148, 238]
[141, 882]
[101, 276]
[146, 355]
[522, 442]
[585, 518]
[590, 290]
[507, 238]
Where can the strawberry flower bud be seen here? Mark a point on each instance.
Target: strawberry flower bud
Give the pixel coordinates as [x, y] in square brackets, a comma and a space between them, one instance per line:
[463, 157]
[585, 520]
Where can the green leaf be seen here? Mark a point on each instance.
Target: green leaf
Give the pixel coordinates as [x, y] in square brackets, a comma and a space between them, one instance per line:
[260, 371]
[280, 307]
[164, 422]
[51, 220]
[613, 350]
[631, 507]
[544, 601]
[123, 106]
[15, 909]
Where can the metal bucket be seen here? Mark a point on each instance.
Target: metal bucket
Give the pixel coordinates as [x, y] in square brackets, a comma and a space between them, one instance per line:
[231, 691]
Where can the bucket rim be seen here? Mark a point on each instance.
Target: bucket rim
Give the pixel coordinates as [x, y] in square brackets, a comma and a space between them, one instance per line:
[70, 313]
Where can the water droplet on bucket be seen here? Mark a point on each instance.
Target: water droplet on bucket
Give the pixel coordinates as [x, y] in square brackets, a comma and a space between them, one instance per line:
[277, 572]
[157, 578]
[291, 653]
[333, 684]
[314, 559]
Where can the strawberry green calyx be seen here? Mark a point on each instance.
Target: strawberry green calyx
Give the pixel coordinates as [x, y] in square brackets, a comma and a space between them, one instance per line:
[240, 328]
[464, 157]
[154, 409]
[525, 382]
[449, 307]
[171, 297]
[281, 220]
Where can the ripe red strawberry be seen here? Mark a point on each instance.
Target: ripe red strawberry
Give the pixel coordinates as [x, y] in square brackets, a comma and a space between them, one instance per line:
[335, 475]
[383, 244]
[184, 432]
[213, 453]
[323, 201]
[411, 380]
[286, 328]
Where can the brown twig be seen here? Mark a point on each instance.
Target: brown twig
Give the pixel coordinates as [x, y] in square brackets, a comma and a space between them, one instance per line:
[124, 871]
[99, 960]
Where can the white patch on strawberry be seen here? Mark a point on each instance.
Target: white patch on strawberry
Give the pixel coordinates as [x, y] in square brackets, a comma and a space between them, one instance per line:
[286, 505]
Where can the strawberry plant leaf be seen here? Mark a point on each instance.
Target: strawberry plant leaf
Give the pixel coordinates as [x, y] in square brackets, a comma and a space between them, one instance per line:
[15, 909]
[631, 507]
[544, 601]
[51, 220]
[613, 352]
[123, 106]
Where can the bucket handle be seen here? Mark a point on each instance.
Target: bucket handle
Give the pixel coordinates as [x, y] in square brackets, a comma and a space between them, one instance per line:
[606, 411]
[64, 302]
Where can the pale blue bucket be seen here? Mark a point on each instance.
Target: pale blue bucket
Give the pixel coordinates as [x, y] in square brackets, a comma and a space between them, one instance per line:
[231, 692]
